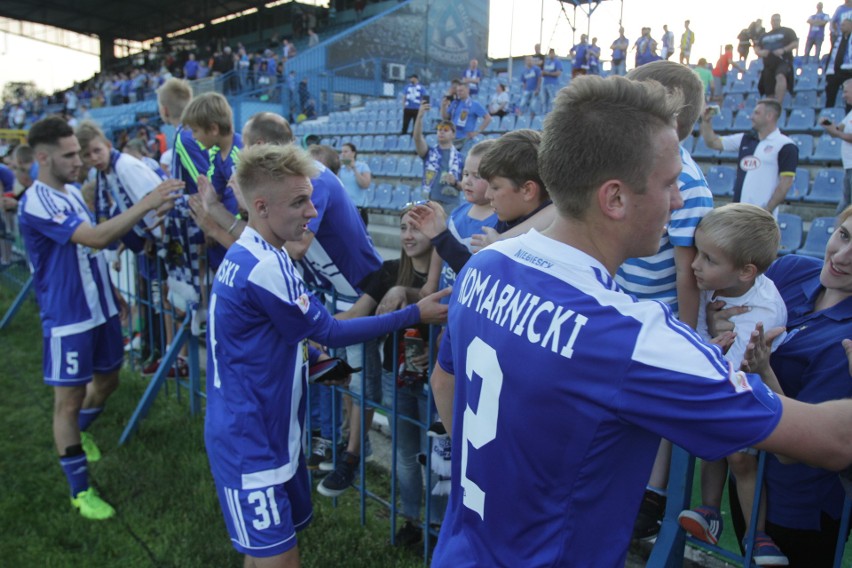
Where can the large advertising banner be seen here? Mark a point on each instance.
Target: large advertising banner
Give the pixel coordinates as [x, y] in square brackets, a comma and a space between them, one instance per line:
[433, 38]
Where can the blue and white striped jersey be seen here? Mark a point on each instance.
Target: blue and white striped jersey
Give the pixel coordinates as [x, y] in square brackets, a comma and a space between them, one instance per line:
[71, 281]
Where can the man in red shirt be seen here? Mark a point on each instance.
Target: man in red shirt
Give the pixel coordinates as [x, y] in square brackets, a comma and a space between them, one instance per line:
[726, 61]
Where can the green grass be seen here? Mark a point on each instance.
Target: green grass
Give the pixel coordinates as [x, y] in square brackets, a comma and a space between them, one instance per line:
[159, 483]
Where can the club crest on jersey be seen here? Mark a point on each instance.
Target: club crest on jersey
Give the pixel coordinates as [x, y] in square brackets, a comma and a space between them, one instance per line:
[740, 382]
[750, 163]
[304, 303]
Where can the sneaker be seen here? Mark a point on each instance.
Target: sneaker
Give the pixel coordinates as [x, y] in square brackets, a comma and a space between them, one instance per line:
[650, 517]
[704, 523]
[766, 552]
[93, 453]
[341, 478]
[134, 344]
[91, 506]
[409, 535]
[437, 430]
[151, 367]
[328, 463]
[321, 453]
[182, 369]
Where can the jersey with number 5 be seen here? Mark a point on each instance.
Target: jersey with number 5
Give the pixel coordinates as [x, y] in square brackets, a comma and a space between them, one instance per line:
[563, 386]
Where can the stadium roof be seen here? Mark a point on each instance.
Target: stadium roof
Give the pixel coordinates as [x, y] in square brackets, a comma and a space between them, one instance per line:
[136, 20]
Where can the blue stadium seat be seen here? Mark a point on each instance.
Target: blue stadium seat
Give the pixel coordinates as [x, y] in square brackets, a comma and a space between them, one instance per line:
[800, 120]
[828, 187]
[367, 144]
[537, 123]
[742, 122]
[390, 166]
[722, 122]
[391, 143]
[740, 86]
[401, 197]
[376, 167]
[431, 139]
[827, 150]
[379, 143]
[382, 196]
[806, 99]
[818, 235]
[522, 122]
[702, 151]
[355, 140]
[404, 166]
[406, 143]
[371, 127]
[732, 102]
[417, 168]
[507, 123]
[801, 184]
[366, 196]
[805, 142]
[791, 233]
[721, 180]
[834, 114]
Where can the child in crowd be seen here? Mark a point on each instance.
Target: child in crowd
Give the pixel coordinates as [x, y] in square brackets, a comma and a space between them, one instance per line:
[466, 220]
[736, 243]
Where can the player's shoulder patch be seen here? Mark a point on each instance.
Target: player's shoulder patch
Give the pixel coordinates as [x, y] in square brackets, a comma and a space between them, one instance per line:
[304, 303]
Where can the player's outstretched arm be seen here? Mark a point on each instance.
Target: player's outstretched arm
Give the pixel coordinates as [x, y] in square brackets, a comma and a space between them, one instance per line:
[819, 435]
[104, 233]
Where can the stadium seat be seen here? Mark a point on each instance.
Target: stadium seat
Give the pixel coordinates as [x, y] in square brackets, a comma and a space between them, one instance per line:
[805, 142]
[507, 123]
[417, 168]
[791, 233]
[800, 120]
[742, 122]
[382, 197]
[828, 187]
[806, 98]
[376, 167]
[834, 114]
[366, 196]
[522, 122]
[818, 235]
[431, 139]
[404, 166]
[732, 102]
[722, 122]
[390, 166]
[827, 150]
[801, 184]
[379, 143]
[702, 151]
[355, 140]
[721, 180]
[391, 143]
[381, 127]
[406, 143]
[401, 197]
[537, 123]
[740, 86]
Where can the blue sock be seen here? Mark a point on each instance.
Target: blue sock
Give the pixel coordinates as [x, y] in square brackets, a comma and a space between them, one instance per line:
[77, 471]
[87, 416]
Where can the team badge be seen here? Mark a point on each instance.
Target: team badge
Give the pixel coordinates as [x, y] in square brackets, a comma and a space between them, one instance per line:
[304, 303]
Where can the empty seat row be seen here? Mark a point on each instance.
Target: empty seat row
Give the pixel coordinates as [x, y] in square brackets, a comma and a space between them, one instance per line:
[827, 185]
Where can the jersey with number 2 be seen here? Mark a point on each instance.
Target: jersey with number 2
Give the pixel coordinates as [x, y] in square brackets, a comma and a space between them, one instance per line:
[563, 386]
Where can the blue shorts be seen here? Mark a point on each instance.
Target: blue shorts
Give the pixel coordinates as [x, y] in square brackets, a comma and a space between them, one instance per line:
[263, 522]
[70, 361]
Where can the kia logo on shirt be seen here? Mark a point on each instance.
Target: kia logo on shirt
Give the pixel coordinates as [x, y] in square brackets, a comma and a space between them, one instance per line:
[749, 163]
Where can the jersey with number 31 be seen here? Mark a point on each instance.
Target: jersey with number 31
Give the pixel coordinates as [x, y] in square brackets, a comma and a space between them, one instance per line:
[563, 386]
